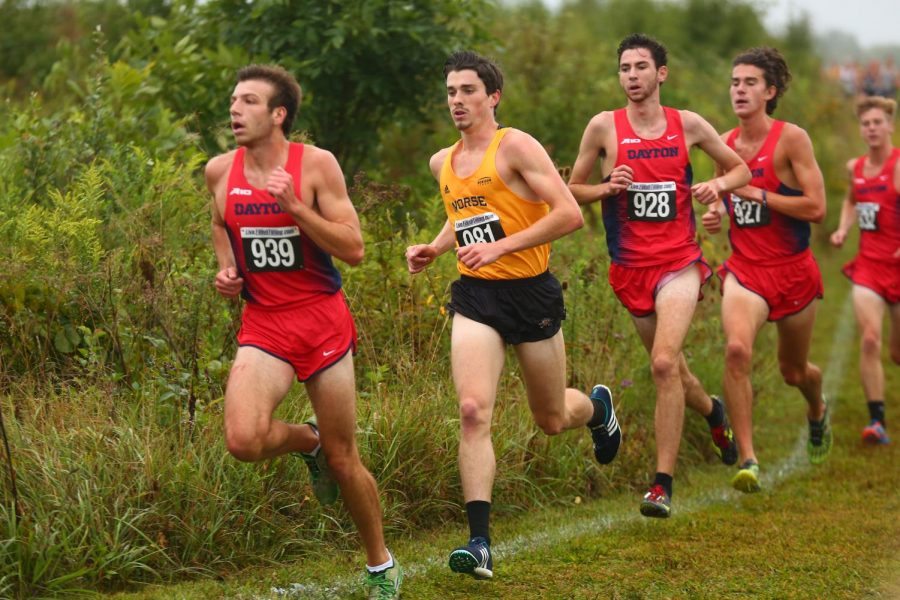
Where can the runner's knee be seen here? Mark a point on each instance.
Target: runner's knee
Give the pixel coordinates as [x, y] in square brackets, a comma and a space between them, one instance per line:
[244, 443]
[870, 342]
[473, 415]
[794, 375]
[664, 366]
[551, 424]
[738, 356]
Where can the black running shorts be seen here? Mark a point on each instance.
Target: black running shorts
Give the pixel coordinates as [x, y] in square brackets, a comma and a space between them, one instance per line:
[521, 310]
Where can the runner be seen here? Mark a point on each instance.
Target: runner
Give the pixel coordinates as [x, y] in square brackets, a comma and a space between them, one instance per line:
[771, 273]
[874, 199]
[657, 267]
[280, 212]
[505, 203]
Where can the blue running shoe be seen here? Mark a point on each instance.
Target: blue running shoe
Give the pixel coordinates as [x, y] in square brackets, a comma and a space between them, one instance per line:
[656, 503]
[607, 436]
[473, 559]
[875, 434]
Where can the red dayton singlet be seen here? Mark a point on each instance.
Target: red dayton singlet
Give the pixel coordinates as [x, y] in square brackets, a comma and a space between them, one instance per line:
[652, 222]
[758, 234]
[878, 208]
[281, 267]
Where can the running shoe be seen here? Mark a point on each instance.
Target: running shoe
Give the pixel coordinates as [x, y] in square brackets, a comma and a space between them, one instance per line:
[325, 488]
[656, 503]
[875, 434]
[820, 439]
[747, 478]
[723, 438]
[473, 559]
[384, 585]
[607, 436]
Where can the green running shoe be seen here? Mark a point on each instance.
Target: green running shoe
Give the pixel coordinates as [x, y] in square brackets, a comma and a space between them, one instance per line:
[747, 478]
[820, 439]
[325, 488]
[386, 584]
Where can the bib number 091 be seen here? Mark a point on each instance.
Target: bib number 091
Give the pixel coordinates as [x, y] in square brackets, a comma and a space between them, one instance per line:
[480, 229]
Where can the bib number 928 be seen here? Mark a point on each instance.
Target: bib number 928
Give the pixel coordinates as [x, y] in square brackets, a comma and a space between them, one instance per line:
[651, 201]
[480, 229]
[269, 249]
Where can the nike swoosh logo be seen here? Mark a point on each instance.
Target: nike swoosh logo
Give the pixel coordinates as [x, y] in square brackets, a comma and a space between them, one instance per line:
[329, 353]
[762, 158]
[671, 137]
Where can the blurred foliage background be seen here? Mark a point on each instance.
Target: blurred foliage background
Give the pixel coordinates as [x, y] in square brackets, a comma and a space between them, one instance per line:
[115, 347]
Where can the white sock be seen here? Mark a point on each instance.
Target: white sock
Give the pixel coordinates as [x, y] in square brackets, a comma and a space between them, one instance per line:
[384, 567]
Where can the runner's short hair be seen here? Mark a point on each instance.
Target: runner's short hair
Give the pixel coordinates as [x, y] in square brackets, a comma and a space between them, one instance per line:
[774, 68]
[639, 40]
[888, 105]
[287, 91]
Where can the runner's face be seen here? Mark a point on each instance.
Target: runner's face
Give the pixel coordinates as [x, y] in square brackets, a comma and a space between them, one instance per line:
[251, 119]
[749, 92]
[468, 100]
[876, 128]
[638, 74]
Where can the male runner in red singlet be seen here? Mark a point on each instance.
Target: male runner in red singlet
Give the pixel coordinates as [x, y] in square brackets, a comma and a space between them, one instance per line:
[280, 212]
[505, 203]
[873, 199]
[657, 267]
[771, 273]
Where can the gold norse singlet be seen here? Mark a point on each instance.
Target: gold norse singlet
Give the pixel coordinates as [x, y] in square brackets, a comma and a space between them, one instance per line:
[481, 208]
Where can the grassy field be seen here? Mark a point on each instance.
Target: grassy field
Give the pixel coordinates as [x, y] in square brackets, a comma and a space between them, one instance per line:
[814, 532]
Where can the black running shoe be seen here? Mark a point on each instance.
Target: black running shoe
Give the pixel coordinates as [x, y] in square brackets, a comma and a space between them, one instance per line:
[723, 438]
[607, 436]
[473, 559]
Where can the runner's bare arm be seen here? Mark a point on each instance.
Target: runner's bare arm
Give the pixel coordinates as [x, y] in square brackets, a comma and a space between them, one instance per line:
[811, 205]
[848, 211]
[530, 161]
[590, 152]
[227, 281]
[735, 172]
[419, 256]
[329, 219]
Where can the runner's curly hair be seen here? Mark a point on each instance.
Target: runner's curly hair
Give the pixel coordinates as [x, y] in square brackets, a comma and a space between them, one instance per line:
[774, 69]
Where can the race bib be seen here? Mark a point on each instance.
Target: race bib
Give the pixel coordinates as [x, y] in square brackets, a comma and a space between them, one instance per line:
[748, 213]
[480, 229]
[867, 213]
[651, 201]
[272, 248]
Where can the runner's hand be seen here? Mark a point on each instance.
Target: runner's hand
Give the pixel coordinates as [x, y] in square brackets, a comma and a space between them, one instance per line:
[228, 283]
[838, 237]
[419, 256]
[705, 192]
[475, 256]
[281, 185]
[712, 221]
[620, 178]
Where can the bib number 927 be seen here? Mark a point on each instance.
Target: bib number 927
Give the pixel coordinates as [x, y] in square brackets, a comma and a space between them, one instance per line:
[748, 213]
[269, 249]
[651, 201]
[480, 229]
[867, 213]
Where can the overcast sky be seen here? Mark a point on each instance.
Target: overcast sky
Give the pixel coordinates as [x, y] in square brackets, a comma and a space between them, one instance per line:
[872, 22]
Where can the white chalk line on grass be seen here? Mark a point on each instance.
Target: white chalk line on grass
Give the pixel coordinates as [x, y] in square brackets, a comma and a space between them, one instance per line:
[795, 462]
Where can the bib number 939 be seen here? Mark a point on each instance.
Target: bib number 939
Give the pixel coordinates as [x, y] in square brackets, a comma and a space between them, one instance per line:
[269, 249]
[480, 229]
[651, 201]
